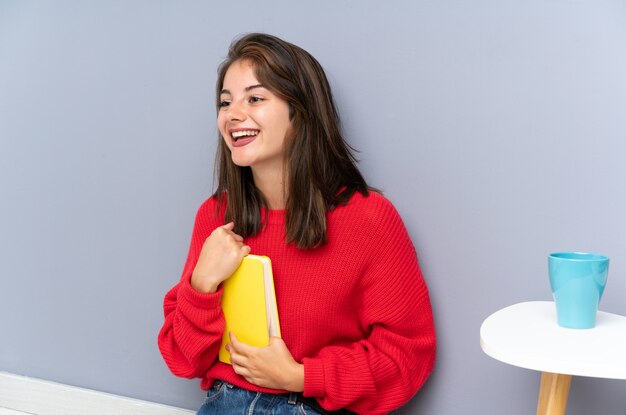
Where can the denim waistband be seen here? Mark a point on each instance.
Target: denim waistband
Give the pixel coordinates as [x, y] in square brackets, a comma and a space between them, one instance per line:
[295, 398]
[311, 402]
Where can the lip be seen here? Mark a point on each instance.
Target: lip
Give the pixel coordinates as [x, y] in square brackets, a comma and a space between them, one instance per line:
[243, 141]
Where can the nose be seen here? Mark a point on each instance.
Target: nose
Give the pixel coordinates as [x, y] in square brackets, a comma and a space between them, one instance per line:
[235, 112]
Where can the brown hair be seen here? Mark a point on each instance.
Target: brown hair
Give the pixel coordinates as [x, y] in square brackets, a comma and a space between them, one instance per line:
[320, 167]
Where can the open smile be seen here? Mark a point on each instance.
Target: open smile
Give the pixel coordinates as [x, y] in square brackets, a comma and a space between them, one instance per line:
[240, 138]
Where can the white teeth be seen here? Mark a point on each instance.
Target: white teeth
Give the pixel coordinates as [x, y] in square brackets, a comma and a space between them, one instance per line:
[239, 134]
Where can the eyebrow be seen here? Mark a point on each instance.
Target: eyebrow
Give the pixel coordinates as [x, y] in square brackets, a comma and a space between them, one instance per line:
[247, 89]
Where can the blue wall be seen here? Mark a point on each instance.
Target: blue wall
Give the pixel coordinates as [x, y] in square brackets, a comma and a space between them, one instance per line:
[497, 128]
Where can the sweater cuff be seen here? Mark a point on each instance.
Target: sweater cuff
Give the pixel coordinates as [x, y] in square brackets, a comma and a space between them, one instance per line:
[200, 300]
[313, 378]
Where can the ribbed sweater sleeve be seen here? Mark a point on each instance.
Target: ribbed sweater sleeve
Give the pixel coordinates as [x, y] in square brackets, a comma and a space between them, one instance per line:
[383, 370]
[191, 334]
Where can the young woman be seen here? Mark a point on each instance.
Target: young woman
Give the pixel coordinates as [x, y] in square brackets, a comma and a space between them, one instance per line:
[355, 316]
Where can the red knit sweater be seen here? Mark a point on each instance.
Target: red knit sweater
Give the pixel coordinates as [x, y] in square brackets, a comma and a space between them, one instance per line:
[355, 312]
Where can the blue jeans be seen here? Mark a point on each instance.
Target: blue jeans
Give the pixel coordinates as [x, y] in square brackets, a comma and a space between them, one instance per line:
[226, 399]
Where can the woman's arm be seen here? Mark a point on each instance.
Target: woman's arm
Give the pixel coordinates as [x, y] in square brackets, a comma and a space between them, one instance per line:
[192, 332]
[382, 371]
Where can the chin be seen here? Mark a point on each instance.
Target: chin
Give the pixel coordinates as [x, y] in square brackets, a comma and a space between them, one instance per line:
[241, 162]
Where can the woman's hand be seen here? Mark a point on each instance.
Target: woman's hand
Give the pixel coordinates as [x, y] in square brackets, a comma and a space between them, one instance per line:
[270, 367]
[221, 254]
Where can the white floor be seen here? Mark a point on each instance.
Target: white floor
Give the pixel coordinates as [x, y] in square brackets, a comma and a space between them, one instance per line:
[4, 411]
[20, 395]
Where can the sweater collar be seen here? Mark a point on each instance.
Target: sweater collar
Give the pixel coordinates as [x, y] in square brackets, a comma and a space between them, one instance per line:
[274, 217]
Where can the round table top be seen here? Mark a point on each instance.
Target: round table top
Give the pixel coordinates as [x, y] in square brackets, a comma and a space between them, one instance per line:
[527, 335]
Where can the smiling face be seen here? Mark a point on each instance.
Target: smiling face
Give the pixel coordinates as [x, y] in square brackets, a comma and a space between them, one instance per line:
[252, 120]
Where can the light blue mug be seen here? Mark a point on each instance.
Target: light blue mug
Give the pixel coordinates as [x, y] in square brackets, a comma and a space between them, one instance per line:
[577, 281]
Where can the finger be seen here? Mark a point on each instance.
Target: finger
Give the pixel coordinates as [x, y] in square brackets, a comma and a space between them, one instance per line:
[229, 226]
[234, 342]
[277, 343]
[239, 364]
[229, 231]
[232, 243]
[239, 347]
[236, 237]
[245, 250]
[236, 360]
[240, 370]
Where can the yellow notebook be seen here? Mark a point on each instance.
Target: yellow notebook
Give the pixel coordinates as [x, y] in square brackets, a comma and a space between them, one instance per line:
[249, 304]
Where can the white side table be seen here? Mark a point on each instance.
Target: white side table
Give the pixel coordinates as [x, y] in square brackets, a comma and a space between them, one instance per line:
[527, 335]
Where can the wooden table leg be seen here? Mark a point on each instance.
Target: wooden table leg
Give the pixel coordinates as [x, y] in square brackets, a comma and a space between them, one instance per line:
[553, 393]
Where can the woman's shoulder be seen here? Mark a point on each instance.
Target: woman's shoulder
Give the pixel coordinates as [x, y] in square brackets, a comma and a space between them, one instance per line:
[211, 203]
[370, 222]
[374, 199]
[213, 208]
[373, 208]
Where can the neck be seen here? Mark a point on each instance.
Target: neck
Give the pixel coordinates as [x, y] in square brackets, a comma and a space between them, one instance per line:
[271, 185]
